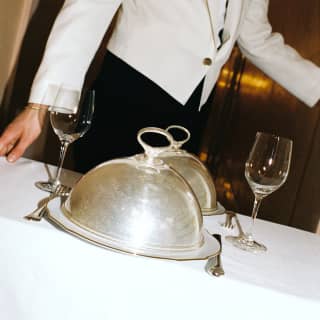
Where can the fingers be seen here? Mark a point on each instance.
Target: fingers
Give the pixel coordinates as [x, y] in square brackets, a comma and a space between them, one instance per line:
[19, 134]
[6, 149]
[17, 150]
[7, 145]
[15, 140]
[8, 141]
[10, 147]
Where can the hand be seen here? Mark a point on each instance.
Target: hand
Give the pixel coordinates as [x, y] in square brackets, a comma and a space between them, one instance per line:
[22, 131]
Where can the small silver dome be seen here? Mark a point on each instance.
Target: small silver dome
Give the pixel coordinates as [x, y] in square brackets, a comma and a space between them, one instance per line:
[193, 170]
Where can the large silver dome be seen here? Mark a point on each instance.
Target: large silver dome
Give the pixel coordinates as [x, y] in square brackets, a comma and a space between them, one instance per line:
[137, 205]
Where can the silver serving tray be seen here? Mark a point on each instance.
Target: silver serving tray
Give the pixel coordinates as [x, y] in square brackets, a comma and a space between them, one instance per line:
[210, 247]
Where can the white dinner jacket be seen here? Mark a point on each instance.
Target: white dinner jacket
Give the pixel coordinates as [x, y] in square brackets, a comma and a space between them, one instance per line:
[169, 41]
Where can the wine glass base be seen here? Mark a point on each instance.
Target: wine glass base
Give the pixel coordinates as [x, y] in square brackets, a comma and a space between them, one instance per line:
[49, 186]
[246, 244]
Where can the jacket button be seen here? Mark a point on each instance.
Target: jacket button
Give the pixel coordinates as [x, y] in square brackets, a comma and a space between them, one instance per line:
[207, 61]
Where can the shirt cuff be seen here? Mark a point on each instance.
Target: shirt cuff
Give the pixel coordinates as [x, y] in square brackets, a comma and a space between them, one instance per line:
[58, 97]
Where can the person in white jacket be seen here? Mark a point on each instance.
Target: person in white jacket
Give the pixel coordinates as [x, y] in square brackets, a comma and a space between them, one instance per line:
[161, 64]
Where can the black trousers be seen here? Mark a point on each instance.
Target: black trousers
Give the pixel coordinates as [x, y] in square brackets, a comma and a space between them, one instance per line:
[127, 101]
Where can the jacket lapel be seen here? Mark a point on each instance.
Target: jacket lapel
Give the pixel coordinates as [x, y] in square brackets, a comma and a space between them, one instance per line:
[213, 9]
[233, 15]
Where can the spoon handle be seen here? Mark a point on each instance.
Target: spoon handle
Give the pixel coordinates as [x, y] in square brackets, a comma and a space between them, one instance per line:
[214, 264]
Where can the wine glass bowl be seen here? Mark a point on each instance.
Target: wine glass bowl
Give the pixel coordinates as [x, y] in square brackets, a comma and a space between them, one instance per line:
[268, 164]
[68, 127]
[266, 170]
[64, 125]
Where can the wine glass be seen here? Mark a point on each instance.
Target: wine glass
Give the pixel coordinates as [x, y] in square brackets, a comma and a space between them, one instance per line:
[68, 127]
[266, 170]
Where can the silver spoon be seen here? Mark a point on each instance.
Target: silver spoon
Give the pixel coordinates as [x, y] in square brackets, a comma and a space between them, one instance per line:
[214, 264]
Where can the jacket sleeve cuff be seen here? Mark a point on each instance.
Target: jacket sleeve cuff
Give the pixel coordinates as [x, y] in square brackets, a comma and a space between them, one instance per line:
[57, 96]
[314, 96]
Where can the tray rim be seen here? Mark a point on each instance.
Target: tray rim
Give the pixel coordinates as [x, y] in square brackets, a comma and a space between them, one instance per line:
[57, 217]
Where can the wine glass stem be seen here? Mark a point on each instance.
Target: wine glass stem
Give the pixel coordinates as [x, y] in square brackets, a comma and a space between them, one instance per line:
[256, 205]
[63, 150]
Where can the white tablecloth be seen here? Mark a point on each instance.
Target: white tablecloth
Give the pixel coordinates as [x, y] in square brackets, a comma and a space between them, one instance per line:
[48, 274]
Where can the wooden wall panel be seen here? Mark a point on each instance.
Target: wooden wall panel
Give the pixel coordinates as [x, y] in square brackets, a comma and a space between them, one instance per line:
[14, 17]
[259, 104]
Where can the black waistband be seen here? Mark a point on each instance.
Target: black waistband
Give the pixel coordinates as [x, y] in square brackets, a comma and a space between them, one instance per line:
[122, 79]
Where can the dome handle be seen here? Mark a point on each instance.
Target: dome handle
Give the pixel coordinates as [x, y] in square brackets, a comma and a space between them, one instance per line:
[178, 143]
[151, 151]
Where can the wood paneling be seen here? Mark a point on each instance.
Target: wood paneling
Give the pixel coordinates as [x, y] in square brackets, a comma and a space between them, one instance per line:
[14, 16]
[259, 104]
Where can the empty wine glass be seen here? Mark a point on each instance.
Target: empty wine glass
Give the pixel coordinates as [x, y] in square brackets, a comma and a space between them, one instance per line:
[68, 127]
[266, 170]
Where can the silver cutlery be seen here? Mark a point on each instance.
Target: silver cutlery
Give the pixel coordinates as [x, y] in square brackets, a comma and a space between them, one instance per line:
[214, 264]
[41, 211]
[228, 221]
[241, 232]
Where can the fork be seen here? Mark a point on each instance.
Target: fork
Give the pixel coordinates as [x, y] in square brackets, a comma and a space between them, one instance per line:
[228, 221]
[40, 212]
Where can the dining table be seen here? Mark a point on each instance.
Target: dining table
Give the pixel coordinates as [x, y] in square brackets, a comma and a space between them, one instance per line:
[48, 274]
